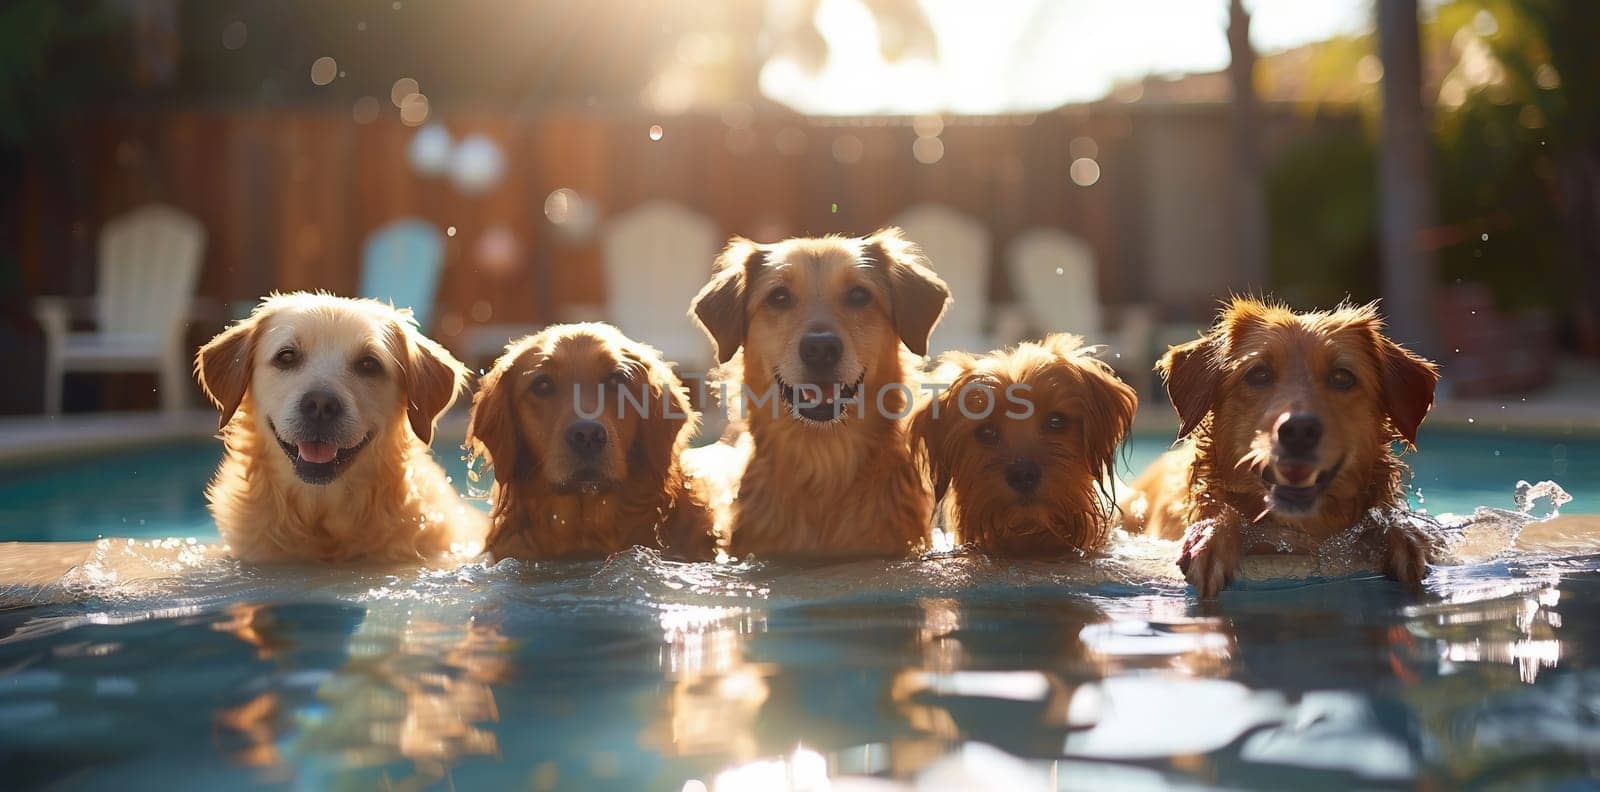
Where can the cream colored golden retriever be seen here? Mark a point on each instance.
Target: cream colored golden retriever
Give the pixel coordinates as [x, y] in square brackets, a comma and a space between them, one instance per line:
[328, 405]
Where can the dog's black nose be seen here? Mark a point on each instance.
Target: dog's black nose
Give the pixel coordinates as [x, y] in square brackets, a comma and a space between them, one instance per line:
[1299, 433]
[1022, 475]
[586, 438]
[320, 405]
[820, 351]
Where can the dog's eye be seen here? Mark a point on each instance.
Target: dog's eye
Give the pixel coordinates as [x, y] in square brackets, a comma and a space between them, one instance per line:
[858, 297]
[1342, 379]
[368, 366]
[1056, 422]
[1260, 375]
[288, 357]
[988, 435]
[780, 298]
[542, 386]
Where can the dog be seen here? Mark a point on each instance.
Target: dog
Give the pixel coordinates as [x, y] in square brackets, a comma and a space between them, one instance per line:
[1291, 418]
[585, 429]
[831, 330]
[1024, 442]
[328, 405]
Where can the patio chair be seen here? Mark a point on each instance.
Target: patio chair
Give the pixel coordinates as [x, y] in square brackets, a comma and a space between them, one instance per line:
[1055, 278]
[149, 261]
[400, 264]
[656, 258]
[957, 247]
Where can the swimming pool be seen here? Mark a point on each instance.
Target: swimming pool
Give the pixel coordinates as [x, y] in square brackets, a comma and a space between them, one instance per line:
[162, 665]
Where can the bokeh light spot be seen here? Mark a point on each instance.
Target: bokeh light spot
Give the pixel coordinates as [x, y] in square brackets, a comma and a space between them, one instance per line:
[235, 35]
[365, 110]
[414, 110]
[324, 70]
[847, 149]
[656, 132]
[1081, 147]
[1085, 172]
[403, 87]
[928, 150]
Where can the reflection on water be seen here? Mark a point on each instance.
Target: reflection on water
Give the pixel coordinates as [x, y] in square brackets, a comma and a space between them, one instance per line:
[168, 661]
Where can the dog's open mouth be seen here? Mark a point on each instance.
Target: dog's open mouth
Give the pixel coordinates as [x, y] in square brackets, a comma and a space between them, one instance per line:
[1298, 498]
[319, 461]
[587, 481]
[819, 403]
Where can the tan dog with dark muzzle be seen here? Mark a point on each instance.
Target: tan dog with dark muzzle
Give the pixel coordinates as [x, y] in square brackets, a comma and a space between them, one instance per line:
[328, 405]
[1290, 418]
[831, 329]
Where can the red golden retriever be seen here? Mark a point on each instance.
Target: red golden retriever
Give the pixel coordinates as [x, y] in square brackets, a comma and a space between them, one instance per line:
[585, 429]
[1023, 442]
[1291, 418]
[831, 330]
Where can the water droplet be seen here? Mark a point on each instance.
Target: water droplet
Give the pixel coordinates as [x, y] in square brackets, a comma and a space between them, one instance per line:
[1485, 237]
[451, 231]
[1061, 271]
[656, 132]
[835, 209]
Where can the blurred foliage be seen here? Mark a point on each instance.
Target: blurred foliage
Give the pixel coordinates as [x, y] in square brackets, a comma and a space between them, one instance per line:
[1513, 84]
[1322, 204]
[39, 77]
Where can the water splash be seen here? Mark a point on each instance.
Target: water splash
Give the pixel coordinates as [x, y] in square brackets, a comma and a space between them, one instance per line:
[1528, 497]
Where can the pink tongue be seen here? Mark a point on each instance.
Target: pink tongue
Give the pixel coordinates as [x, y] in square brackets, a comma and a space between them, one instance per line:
[319, 453]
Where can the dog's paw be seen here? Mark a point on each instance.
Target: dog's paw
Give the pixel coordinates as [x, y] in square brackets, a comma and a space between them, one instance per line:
[1406, 549]
[1210, 557]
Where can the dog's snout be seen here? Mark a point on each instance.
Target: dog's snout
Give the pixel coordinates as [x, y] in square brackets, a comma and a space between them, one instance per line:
[1023, 475]
[820, 351]
[321, 406]
[1299, 433]
[586, 438]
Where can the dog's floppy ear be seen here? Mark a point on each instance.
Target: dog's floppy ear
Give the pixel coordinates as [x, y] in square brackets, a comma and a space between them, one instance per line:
[929, 433]
[1111, 406]
[1191, 371]
[430, 378]
[919, 294]
[224, 364]
[492, 429]
[1408, 383]
[719, 308]
[671, 421]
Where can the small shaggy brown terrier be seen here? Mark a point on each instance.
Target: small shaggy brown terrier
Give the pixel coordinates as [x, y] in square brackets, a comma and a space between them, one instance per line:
[1024, 441]
[1291, 418]
[328, 405]
[824, 390]
[585, 428]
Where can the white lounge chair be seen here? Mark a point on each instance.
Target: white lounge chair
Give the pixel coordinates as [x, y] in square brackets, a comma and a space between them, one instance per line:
[657, 257]
[957, 247]
[1055, 278]
[149, 260]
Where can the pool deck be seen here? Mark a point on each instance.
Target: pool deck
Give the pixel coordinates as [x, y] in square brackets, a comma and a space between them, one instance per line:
[1571, 405]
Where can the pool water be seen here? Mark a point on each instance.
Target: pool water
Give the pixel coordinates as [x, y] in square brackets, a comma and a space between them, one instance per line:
[161, 664]
[159, 491]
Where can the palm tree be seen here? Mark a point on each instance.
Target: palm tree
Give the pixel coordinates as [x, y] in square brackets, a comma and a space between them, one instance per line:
[1249, 191]
[1405, 200]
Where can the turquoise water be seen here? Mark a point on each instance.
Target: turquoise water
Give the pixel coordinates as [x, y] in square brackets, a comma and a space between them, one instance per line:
[160, 491]
[161, 665]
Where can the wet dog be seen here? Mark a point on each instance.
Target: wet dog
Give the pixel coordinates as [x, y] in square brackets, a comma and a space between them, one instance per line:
[1023, 442]
[585, 429]
[1291, 418]
[328, 405]
[831, 329]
